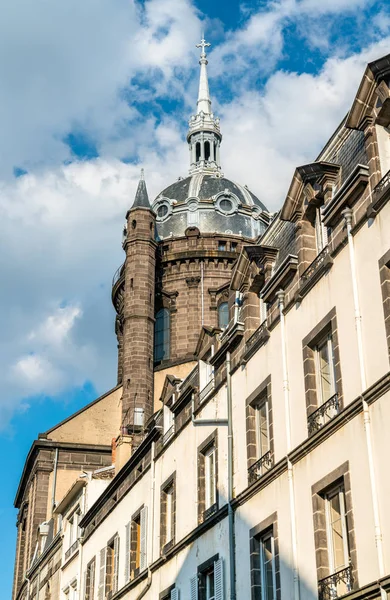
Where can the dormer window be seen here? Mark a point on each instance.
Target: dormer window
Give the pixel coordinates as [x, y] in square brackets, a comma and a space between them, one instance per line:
[223, 315]
[320, 230]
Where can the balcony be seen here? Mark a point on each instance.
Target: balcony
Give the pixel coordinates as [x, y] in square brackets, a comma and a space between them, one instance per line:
[118, 289]
[335, 585]
[260, 467]
[380, 195]
[323, 414]
[257, 339]
[320, 265]
[206, 390]
[71, 550]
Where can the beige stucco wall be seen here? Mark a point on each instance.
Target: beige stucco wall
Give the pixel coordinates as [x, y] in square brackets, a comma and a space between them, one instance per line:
[179, 371]
[98, 423]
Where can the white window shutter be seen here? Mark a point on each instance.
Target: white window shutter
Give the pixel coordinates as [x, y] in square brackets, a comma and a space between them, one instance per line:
[194, 587]
[144, 535]
[127, 553]
[116, 564]
[175, 594]
[218, 579]
[102, 573]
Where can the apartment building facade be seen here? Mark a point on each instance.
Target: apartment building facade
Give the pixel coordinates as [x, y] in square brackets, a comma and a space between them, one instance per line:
[245, 446]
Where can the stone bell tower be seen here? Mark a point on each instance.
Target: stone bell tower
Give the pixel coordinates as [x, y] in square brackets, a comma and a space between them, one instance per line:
[138, 313]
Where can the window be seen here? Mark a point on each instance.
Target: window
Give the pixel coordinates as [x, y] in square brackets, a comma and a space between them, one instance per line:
[89, 578]
[264, 561]
[207, 150]
[233, 246]
[210, 477]
[225, 205]
[222, 246]
[197, 151]
[168, 513]
[73, 528]
[136, 538]
[326, 385]
[262, 428]
[223, 315]
[321, 231]
[108, 569]
[259, 431]
[162, 335]
[169, 423]
[322, 371]
[172, 593]
[208, 584]
[71, 591]
[162, 211]
[336, 550]
[336, 526]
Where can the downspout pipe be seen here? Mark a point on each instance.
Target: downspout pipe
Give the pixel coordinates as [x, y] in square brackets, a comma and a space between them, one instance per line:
[286, 395]
[55, 467]
[232, 549]
[152, 496]
[347, 214]
[205, 422]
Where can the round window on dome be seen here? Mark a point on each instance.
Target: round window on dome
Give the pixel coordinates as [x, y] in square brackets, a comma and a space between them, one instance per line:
[226, 205]
[162, 211]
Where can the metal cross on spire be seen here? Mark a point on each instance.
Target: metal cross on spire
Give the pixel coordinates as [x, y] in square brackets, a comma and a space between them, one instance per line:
[203, 44]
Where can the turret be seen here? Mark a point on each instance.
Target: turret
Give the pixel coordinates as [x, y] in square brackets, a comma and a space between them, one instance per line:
[138, 313]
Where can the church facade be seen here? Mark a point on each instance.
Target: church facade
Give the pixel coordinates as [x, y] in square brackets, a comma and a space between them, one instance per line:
[243, 451]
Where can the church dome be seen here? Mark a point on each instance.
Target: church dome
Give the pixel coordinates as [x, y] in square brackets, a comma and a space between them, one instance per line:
[206, 199]
[212, 203]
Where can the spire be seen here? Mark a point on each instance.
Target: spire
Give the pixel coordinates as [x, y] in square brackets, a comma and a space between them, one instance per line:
[141, 197]
[204, 102]
[204, 135]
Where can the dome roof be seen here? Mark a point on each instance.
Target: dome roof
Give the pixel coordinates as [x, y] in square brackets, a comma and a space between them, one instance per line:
[205, 187]
[212, 203]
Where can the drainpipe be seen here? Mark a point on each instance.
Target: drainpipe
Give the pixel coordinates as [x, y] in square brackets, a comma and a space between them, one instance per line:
[202, 290]
[286, 394]
[152, 496]
[81, 547]
[55, 465]
[232, 553]
[347, 214]
[229, 423]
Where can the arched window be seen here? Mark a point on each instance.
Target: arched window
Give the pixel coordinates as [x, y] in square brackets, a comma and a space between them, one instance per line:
[223, 315]
[197, 151]
[161, 335]
[207, 150]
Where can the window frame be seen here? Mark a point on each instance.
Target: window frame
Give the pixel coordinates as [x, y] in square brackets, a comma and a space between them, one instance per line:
[206, 446]
[165, 346]
[327, 341]
[210, 455]
[267, 529]
[223, 313]
[339, 491]
[263, 403]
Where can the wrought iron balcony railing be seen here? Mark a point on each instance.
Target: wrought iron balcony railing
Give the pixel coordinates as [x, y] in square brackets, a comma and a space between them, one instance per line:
[315, 265]
[382, 185]
[323, 414]
[208, 388]
[260, 467]
[71, 550]
[335, 585]
[257, 335]
[168, 434]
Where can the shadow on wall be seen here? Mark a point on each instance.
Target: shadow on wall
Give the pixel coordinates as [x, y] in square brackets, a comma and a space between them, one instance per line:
[263, 571]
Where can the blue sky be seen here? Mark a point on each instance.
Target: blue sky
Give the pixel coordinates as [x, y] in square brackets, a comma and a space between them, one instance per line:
[91, 92]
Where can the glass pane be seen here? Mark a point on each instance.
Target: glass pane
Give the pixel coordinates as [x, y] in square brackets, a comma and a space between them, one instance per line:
[161, 335]
[324, 367]
[263, 429]
[223, 315]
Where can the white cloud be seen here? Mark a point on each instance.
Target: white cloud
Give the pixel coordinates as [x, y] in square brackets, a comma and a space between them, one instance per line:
[60, 239]
[56, 328]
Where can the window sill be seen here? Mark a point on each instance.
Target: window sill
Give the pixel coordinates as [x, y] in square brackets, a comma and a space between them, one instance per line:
[209, 512]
